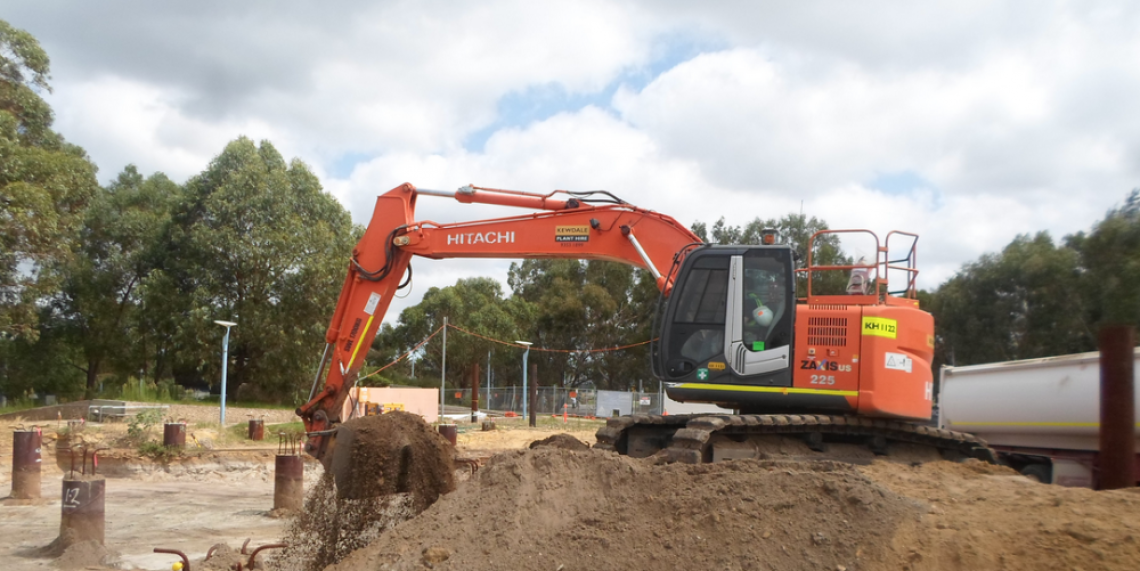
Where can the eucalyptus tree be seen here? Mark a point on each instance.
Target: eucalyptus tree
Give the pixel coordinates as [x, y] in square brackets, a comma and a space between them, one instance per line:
[45, 184]
[581, 306]
[254, 240]
[1024, 302]
[475, 304]
[99, 307]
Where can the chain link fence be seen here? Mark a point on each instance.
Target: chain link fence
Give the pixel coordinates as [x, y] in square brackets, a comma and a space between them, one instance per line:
[555, 400]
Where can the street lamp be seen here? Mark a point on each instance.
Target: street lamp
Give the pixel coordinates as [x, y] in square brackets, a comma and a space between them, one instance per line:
[225, 361]
[526, 353]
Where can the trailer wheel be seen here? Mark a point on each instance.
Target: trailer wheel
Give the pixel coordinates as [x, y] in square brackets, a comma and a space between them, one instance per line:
[1040, 472]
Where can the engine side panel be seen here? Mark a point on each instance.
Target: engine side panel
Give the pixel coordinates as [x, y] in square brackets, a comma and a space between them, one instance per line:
[895, 377]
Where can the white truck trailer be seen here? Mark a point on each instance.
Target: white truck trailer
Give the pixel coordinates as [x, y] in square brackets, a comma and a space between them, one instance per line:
[1042, 416]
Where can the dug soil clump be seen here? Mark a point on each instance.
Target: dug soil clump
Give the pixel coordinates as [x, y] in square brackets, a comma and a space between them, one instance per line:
[390, 468]
[393, 453]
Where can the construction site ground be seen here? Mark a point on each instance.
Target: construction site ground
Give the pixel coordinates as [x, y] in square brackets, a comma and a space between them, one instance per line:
[563, 509]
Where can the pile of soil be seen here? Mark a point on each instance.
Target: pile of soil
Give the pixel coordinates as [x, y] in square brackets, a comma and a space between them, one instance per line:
[559, 509]
[222, 558]
[85, 555]
[563, 441]
[554, 508]
[981, 516]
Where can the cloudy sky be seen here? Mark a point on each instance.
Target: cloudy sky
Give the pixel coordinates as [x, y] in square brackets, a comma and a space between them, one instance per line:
[967, 122]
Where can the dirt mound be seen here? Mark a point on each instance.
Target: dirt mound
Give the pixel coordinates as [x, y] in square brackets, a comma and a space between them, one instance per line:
[222, 558]
[563, 441]
[547, 508]
[984, 517]
[84, 555]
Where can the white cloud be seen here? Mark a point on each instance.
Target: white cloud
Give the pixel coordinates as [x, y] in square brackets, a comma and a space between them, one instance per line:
[1015, 117]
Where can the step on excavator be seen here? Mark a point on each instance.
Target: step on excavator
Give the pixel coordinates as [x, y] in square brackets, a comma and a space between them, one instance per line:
[837, 375]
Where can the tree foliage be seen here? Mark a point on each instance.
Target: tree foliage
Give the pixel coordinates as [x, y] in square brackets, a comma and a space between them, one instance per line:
[795, 230]
[256, 241]
[588, 305]
[475, 304]
[1023, 302]
[99, 304]
[45, 184]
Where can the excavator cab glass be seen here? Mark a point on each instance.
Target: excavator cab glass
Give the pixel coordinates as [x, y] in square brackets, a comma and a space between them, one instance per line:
[729, 319]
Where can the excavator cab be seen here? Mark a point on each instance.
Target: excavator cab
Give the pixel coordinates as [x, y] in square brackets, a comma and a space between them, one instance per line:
[729, 320]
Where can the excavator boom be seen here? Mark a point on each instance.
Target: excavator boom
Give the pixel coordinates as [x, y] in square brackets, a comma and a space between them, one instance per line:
[593, 226]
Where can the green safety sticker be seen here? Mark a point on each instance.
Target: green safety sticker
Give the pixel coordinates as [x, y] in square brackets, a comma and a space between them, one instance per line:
[702, 374]
[757, 345]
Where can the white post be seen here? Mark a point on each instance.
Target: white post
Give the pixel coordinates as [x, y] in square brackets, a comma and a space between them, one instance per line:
[225, 363]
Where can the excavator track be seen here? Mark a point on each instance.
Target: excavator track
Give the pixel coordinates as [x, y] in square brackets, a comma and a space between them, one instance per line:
[704, 438]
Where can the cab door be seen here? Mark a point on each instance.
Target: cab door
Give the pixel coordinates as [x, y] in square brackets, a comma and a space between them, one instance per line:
[730, 318]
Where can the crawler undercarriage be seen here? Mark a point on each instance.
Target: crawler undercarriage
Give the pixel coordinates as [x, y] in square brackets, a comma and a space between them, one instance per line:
[703, 438]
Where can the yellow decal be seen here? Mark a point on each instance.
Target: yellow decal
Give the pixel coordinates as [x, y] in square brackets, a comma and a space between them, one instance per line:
[572, 233]
[881, 327]
[715, 366]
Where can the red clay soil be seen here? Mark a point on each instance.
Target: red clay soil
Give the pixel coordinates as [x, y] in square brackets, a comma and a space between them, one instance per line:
[558, 509]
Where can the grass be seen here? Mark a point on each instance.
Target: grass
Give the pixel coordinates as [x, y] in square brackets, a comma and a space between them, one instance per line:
[18, 406]
[240, 432]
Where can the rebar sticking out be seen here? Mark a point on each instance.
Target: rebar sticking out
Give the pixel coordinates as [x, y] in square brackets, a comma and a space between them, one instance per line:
[185, 560]
[289, 475]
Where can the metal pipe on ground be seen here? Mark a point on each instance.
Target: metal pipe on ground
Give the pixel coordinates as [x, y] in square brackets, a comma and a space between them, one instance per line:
[174, 434]
[26, 463]
[1117, 411]
[288, 482]
[82, 510]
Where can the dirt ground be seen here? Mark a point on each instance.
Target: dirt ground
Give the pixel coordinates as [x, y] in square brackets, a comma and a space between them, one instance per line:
[563, 509]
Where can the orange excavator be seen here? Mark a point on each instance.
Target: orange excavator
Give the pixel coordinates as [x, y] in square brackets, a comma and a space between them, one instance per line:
[820, 370]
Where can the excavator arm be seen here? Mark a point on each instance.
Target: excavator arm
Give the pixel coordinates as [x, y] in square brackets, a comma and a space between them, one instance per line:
[592, 226]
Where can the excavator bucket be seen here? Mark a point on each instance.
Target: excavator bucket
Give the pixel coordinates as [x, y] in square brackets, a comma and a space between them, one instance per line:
[394, 453]
[338, 458]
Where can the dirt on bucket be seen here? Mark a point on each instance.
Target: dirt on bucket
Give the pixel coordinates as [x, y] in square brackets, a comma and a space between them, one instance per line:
[398, 467]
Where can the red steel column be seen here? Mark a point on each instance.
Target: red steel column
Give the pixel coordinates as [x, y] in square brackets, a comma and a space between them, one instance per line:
[174, 435]
[289, 482]
[26, 462]
[533, 391]
[1117, 411]
[450, 432]
[475, 394]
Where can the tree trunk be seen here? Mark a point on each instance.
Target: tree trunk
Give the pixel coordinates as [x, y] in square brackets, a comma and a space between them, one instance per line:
[92, 378]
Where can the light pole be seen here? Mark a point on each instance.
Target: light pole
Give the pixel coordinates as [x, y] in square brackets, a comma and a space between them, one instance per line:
[526, 353]
[225, 361]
